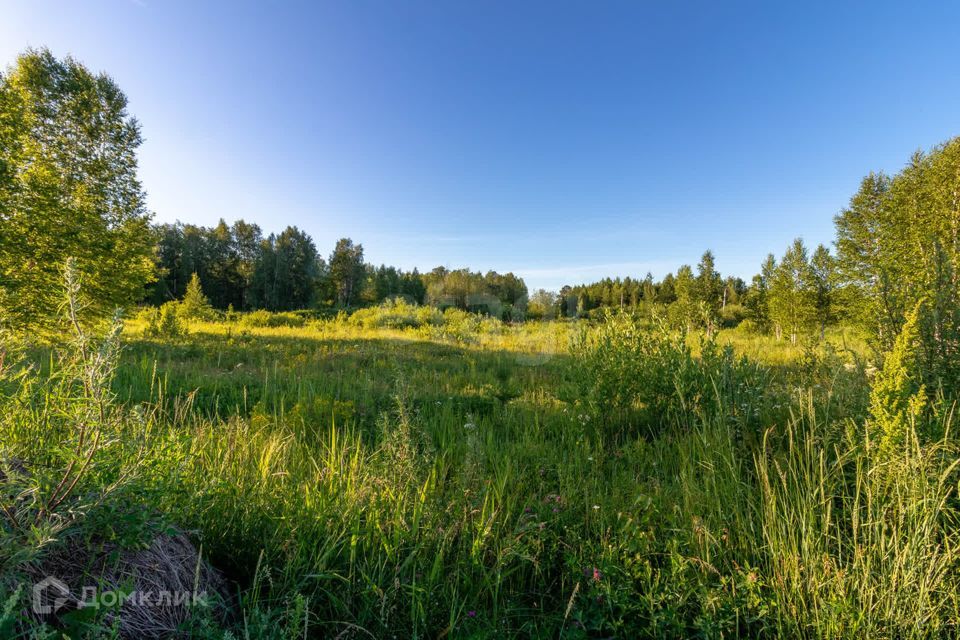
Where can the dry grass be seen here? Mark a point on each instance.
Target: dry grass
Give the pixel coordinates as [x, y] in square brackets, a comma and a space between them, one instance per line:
[164, 580]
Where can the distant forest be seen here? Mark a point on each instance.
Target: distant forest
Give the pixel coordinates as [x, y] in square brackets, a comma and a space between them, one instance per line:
[240, 269]
[69, 190]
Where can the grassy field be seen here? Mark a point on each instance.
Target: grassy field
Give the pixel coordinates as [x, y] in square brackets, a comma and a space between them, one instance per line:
[472, 479]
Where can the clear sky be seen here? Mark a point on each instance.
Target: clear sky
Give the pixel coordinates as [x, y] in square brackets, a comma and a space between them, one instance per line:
[565, 141]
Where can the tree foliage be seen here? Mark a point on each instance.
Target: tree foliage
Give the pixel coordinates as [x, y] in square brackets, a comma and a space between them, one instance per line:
[898, 243]
[500, 295]
[791, 297]
[347, 272]
[68, 188]
[195, 305]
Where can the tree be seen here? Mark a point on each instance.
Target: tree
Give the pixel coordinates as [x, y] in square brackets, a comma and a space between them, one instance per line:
[384, 283]
[460, 288]
[758, 297]
[412, 286]
[823, 277]
[791, 296]
[68, 188]
[168, 254]
[246, 240]
[224, 257]
[288, 272]
[510, 293]
[733, 291]
[898, 245]
[508, 288]
[649, 290]
[347, 271]
[387, 282]
[543, 305]
[708, 291]
[684, 311]
[866, 257]
[298, 269]
[667, 291]
[195, 305]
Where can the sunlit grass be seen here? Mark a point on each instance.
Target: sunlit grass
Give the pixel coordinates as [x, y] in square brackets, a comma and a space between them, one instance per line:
[425, 483]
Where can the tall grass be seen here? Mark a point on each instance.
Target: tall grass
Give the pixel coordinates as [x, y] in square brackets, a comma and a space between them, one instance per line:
[382, 480]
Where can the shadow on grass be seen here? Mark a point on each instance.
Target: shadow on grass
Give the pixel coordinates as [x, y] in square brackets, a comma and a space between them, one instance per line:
[311, 379]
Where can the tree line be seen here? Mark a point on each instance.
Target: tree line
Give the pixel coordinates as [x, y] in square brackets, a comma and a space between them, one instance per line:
[240, 268]
[799, 294]
[69, 189]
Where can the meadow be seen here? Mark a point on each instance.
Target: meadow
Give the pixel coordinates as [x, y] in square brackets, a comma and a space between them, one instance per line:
[281, 442]
[380, 475]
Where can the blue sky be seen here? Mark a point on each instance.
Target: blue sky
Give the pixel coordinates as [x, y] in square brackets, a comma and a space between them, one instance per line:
[565, 141]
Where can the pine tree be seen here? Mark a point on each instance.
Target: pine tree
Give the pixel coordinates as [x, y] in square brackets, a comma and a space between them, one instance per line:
[195, 305]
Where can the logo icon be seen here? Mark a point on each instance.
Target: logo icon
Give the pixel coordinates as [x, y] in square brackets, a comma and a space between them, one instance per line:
[41, 595]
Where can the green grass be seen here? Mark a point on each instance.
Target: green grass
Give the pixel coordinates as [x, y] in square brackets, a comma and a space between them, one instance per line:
[450, 481]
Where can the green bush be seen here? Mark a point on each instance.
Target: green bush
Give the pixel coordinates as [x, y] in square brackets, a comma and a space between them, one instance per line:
[263, 318]
[163, 322]
[733, 315]
[631, 375]
[898, 397]
[449, 323]
[396, 314]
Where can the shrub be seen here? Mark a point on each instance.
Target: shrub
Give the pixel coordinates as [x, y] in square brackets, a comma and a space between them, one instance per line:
[898, 397]
[75, 511]
[263, 318]
[733, 315]
[163, 322]
[65, 419]
[630, 375]
[396, 314]
[449, 323]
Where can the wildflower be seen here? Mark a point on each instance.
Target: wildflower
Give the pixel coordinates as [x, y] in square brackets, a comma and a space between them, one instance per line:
[596, 507]
[471, 614]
